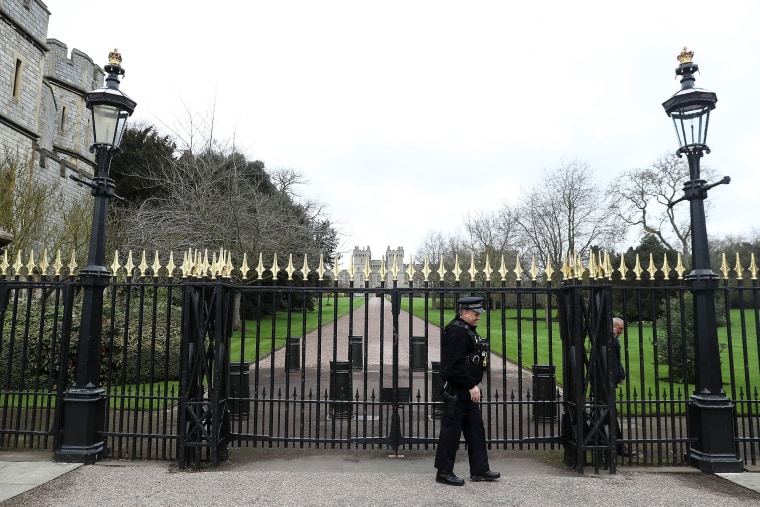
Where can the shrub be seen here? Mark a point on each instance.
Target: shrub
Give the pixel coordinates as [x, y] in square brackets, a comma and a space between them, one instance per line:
[138, 345]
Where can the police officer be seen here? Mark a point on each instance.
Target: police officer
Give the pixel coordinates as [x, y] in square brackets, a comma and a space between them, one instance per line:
[464, 357]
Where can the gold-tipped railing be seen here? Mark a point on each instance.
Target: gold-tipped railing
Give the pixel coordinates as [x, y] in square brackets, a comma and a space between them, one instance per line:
[213, 265]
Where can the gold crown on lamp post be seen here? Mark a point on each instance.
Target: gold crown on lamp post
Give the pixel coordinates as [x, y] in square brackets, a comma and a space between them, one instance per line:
[685, 56]
[114, 57]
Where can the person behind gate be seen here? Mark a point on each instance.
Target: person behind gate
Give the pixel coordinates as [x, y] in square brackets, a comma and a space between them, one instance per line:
[464, 358]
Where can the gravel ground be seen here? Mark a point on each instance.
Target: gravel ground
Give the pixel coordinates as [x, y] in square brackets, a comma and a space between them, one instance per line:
[370, 477]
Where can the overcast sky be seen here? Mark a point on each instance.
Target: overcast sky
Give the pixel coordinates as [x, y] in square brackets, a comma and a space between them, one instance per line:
[405, 115]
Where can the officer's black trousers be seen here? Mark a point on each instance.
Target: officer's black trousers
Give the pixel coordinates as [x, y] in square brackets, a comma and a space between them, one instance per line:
[471, 424]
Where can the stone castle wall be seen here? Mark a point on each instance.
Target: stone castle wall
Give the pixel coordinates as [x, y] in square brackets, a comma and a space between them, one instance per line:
[43, 115]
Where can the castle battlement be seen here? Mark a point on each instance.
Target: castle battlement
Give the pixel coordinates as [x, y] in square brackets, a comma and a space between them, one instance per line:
[77, 71]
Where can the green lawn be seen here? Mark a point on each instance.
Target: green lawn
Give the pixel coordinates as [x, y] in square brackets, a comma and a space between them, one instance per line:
[527, 339]
[279, 327]
[150, 396]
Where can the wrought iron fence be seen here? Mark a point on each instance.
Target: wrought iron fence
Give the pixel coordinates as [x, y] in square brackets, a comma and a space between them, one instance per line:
[315, 364]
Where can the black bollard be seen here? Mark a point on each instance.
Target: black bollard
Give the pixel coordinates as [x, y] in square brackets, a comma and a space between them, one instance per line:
[293, 355]
[239, 389]
[356, 349]
[340, 389]
[544, 392]
[418, 361]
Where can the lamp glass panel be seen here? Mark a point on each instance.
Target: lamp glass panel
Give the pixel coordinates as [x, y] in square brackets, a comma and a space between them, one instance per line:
[120, 128]
[691, 124]
[105, 120]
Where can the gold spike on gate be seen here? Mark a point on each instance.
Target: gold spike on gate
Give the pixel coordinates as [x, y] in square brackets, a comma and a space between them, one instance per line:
[753, 266]
[260, 267]
[129, 266]
[456, 270]
[275, 268]
[518, 269]
[143, 267]
[533, 270]
[652, 269]
[665, 267]
[548, 269]
[170, 266]
[503, 269]
[43, 263]
[426, 269]
[57, 264]
[4, 265]
[290, 269]
[30, 264]
[679, 266]
[321, 269]
[156, 266]
[592, 266]
[637, 268]
[115, 264]
[305, 268]
[738, 269]
[622, 269]
[244, 267]
[724, 266]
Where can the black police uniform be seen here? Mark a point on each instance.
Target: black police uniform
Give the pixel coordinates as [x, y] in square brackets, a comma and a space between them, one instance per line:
[463, 361]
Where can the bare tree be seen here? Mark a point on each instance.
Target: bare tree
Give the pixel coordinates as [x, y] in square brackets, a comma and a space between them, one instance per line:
[643, 197]
[491, 233]
[36, 214]
[567, 212]
[218, 199]
[447, 248]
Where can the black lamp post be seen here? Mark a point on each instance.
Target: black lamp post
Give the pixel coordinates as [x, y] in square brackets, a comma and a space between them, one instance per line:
[711, 422]
[83, 415]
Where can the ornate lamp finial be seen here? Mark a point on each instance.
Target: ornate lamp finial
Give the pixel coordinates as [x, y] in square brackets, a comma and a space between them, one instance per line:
[114, 57]
[685, 56]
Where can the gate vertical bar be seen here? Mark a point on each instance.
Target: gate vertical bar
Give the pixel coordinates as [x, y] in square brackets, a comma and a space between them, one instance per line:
[395, 434]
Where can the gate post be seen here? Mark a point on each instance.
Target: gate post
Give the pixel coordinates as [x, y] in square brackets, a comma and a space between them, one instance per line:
[203, 420]
[587, 423]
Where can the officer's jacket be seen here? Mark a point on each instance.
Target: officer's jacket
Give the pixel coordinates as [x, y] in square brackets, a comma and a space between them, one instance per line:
[462, 355]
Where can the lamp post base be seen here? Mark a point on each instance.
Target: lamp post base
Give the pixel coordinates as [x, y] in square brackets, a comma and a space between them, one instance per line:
[711, 423]
[83, 419]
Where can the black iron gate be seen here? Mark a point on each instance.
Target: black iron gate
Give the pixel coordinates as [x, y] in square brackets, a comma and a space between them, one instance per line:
[368, 379]
[282, 362]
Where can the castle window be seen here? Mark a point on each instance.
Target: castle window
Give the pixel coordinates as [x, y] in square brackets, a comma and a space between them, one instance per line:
[16, 91]
[63, 119]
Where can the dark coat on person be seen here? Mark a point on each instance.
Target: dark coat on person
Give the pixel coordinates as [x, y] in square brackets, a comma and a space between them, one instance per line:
[618, 372]
[459, 343]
